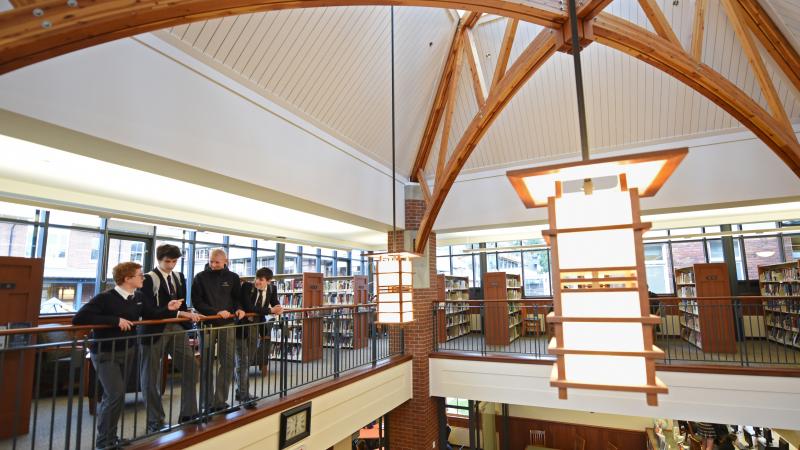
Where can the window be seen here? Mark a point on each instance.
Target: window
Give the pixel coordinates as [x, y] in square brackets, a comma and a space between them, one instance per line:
[240, 261]
[16, 239]
[760, 251]
[70, 273]
[265, 258]
[462, 266]
[290, 263]
[17, 212]
[72, 219]
[791, 247]
[327, 267]
[685, 254]
[658, 268]
[536, 273]
[457, 406]
[443, 265]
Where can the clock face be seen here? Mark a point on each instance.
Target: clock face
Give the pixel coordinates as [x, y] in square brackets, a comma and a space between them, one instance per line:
[295, 425]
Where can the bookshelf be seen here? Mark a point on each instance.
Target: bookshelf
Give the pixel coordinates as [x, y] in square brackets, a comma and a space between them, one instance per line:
[707, 324]
[304, 339]
[503, 319]
[453, 320]
[781, 315]
[346, 291]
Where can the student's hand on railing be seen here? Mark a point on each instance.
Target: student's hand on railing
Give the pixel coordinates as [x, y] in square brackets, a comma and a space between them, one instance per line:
[240, 314]
[277, 309]
[174, 305]
[225, 314]
[193, 316]
[124, 324]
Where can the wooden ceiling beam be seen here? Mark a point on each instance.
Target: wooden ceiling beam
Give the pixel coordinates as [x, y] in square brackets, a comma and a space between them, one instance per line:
[423, 184]
[659, 21]
[26, 39]
[698, 30]
[633, 40]
[538, 51]
[589, 9]
[737, 20]
[449, 71]
[21, 3]
[505, 51]
[472, 19]
[773, 40]
[475, 69]
[448, 114]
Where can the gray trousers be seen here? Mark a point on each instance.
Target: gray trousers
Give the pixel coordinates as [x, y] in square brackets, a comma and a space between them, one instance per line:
[174, 342]
[251, 349]
[110, 367]
[225, 340]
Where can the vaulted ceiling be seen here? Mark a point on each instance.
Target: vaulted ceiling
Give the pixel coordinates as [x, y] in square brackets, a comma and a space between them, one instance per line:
[332, 66]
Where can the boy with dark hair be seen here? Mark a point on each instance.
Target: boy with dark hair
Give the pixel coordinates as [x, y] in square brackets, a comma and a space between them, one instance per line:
[118, 307]
[259, 297]
[164, 286]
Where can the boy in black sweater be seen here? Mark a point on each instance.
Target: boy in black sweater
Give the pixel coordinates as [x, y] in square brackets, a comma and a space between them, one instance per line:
[117, 307]
[215, 291]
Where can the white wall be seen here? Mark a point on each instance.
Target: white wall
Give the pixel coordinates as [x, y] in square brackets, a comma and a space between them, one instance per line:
[762, 401]
[334, 416]
[138, 95]
[733, 168]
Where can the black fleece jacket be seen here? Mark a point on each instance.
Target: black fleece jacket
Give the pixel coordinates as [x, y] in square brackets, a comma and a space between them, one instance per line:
[214, 291]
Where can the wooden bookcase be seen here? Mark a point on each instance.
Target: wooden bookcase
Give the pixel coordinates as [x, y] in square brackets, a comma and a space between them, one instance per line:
[346, 291]
[502, 319]
[781, 315]
[305, 334]
[707, 323]
[453, 320]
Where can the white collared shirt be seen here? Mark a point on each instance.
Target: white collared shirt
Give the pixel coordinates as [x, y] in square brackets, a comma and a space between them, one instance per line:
[171, 287]
[125, 294]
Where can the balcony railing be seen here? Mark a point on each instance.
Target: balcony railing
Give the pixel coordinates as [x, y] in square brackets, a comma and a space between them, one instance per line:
[58, 389]
[730, 331]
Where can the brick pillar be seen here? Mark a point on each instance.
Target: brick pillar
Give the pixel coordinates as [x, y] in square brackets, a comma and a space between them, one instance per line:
[414, 425]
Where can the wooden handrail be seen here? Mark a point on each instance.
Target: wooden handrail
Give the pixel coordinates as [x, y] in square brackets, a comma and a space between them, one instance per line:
[39, 330]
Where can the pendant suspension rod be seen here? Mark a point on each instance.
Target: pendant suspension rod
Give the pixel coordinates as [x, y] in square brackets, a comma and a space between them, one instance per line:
[394, 170]
[576, 59]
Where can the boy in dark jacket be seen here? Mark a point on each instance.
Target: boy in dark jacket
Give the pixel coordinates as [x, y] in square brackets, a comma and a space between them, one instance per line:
[111, 357]
[163, 287]
[259, 297]
[215, 292]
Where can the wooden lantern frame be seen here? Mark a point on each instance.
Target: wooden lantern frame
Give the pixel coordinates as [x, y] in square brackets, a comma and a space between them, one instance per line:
[400, 288]
[602, 279]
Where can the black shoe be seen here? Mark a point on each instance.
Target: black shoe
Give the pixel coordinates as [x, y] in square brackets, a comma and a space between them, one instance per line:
[155, 427]
[189, 419]
[114, 444]
[249, 402]
[218, 408]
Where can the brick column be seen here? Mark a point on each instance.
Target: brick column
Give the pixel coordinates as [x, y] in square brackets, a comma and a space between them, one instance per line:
[414, 425]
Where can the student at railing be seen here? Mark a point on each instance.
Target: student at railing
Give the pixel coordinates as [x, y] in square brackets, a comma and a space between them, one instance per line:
[163, 286]
[215, 291]
[118, 307]
[259, 297]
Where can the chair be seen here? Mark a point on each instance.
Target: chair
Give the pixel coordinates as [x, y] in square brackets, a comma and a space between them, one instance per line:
[580, 443]
[537, 437]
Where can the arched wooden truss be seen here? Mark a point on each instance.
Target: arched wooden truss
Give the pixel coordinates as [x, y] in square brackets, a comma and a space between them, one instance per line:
[38, 30]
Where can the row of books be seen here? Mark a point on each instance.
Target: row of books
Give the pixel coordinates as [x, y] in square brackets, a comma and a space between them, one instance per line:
[788, 306]
[290, 300]
[333, 298]
[455, 283]
[456, 295]
[457, 331]
[686, 291]
[592, 286]
[787, 337]
[329, 340]
[294, 335]
[692, 336]
[684, 278]
[782, 289]
[514, 295]
[788, 321]
[344, 284]
[453, 308]
[289, 284]
[688, 306]
[293, 352]
[780, 275]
